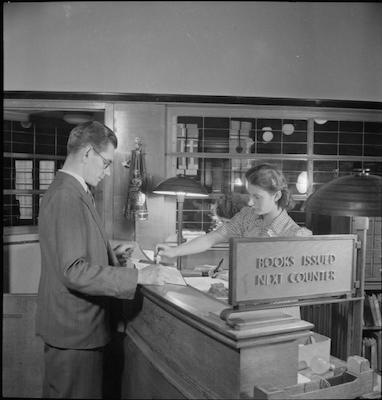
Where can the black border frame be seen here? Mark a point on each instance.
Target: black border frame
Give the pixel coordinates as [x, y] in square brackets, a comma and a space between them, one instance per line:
[190, 98]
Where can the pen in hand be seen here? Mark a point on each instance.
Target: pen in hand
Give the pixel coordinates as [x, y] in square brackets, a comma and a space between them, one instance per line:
[216, 269]
[158, 248]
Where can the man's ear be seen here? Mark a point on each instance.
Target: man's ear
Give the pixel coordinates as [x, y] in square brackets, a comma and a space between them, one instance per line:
[85, 153]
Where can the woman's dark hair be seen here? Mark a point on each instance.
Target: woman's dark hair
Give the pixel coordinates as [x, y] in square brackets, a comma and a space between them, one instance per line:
[93, 133]
[269, 178]
[230, 204]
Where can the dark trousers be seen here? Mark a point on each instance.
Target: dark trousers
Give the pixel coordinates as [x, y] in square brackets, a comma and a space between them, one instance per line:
[73, 373]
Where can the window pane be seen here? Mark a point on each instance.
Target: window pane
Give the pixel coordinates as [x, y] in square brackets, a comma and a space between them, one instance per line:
[276, 137]
[11, 210]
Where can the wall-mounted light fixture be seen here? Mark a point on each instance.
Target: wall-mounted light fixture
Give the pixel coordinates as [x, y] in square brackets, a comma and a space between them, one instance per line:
[238, 182]
[287, 129]
[302, 182]
[26, 124]
[320, 121]
[267, 133]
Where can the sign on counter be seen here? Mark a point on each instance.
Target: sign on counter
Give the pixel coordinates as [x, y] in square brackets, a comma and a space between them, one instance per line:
[270, 269]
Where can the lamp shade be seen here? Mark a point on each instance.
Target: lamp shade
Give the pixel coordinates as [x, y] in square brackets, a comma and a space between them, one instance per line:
[352, 195]
[181, 185]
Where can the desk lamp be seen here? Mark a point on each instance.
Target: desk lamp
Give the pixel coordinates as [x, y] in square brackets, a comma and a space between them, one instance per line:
[180, 187]
[358, 196]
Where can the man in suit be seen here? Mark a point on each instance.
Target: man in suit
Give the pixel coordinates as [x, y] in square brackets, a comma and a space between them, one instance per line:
[80, 272]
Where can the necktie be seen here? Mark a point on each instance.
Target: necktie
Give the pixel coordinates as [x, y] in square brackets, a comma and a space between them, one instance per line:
[91, 197]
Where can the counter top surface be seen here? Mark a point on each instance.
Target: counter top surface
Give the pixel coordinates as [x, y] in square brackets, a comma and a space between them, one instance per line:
[202, 310]
[21, 238]
[16, 234]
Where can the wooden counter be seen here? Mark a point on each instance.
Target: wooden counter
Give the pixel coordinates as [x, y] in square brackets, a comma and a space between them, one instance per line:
[21, 260]
[176, 346]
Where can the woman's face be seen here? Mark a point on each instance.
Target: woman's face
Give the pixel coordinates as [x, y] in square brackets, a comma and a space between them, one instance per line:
[261, 200]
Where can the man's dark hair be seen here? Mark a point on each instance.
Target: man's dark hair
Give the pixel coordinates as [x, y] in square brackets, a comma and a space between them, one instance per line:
[94, 133]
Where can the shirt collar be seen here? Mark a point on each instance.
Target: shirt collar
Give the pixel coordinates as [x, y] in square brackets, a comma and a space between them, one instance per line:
[78, 177]
[279, 222]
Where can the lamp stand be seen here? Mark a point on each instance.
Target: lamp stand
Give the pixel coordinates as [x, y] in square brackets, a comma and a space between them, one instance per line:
[180, 201]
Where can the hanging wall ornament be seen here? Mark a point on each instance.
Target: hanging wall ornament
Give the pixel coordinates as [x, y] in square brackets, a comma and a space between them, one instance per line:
[288, 129]
[136, 203]
[267, 133]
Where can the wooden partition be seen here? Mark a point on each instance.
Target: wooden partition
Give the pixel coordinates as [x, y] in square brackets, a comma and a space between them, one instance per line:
[22, 350]
[177, 346]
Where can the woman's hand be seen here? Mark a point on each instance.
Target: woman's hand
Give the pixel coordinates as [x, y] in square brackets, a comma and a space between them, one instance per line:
[164, 251]
[224, 275]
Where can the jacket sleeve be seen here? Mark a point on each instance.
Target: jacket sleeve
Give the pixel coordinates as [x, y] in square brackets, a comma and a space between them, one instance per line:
[74, 267]
[304, 232]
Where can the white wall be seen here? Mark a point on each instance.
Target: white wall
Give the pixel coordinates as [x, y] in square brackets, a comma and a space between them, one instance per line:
[277, 49]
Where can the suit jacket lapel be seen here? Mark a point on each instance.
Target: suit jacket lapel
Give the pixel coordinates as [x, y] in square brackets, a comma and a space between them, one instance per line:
[86, 198]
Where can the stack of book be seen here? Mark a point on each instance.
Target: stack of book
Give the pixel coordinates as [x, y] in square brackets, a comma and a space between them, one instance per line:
[371, 345]
[24, 181]
[371, 349]
[187, 140]
[23, 174]
[46, 174]
[239, 137]
[372, 310]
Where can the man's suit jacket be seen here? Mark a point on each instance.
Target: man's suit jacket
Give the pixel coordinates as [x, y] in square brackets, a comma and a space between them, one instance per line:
[79, 271]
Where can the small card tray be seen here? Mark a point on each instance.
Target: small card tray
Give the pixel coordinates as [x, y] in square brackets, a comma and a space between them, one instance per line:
[347, 385]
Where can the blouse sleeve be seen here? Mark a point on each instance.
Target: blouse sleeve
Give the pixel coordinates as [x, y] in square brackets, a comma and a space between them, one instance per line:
[235, 227]
[304, 232]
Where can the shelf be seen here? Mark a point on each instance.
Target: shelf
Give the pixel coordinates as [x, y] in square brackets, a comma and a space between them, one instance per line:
[256, 156]
[373, 286]
[218, 246]
[23, 191]
[33, 156]
[372, 328]
[267, 156]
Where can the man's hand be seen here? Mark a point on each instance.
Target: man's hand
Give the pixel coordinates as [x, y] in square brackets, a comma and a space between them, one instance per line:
[123, 251]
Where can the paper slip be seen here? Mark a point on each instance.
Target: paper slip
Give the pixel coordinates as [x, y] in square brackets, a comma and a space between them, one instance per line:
[302, 379]
[172, 275]
[204, 283]
[139, 253]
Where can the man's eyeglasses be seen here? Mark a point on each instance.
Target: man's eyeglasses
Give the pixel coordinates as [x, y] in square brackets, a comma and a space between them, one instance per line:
[106, 163]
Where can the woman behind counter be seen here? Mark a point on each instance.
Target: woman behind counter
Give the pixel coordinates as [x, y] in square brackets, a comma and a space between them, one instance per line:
[265, 216]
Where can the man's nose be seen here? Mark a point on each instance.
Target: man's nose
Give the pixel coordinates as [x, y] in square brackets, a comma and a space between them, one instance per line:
[107, 171]
[250, 201]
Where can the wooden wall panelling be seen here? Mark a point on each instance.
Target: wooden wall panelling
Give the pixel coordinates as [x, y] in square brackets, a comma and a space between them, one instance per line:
[172, 349]
[23, 366]
[142, 378]
[146, 121]
[22, 266]
[104, 192]
[169, 345]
